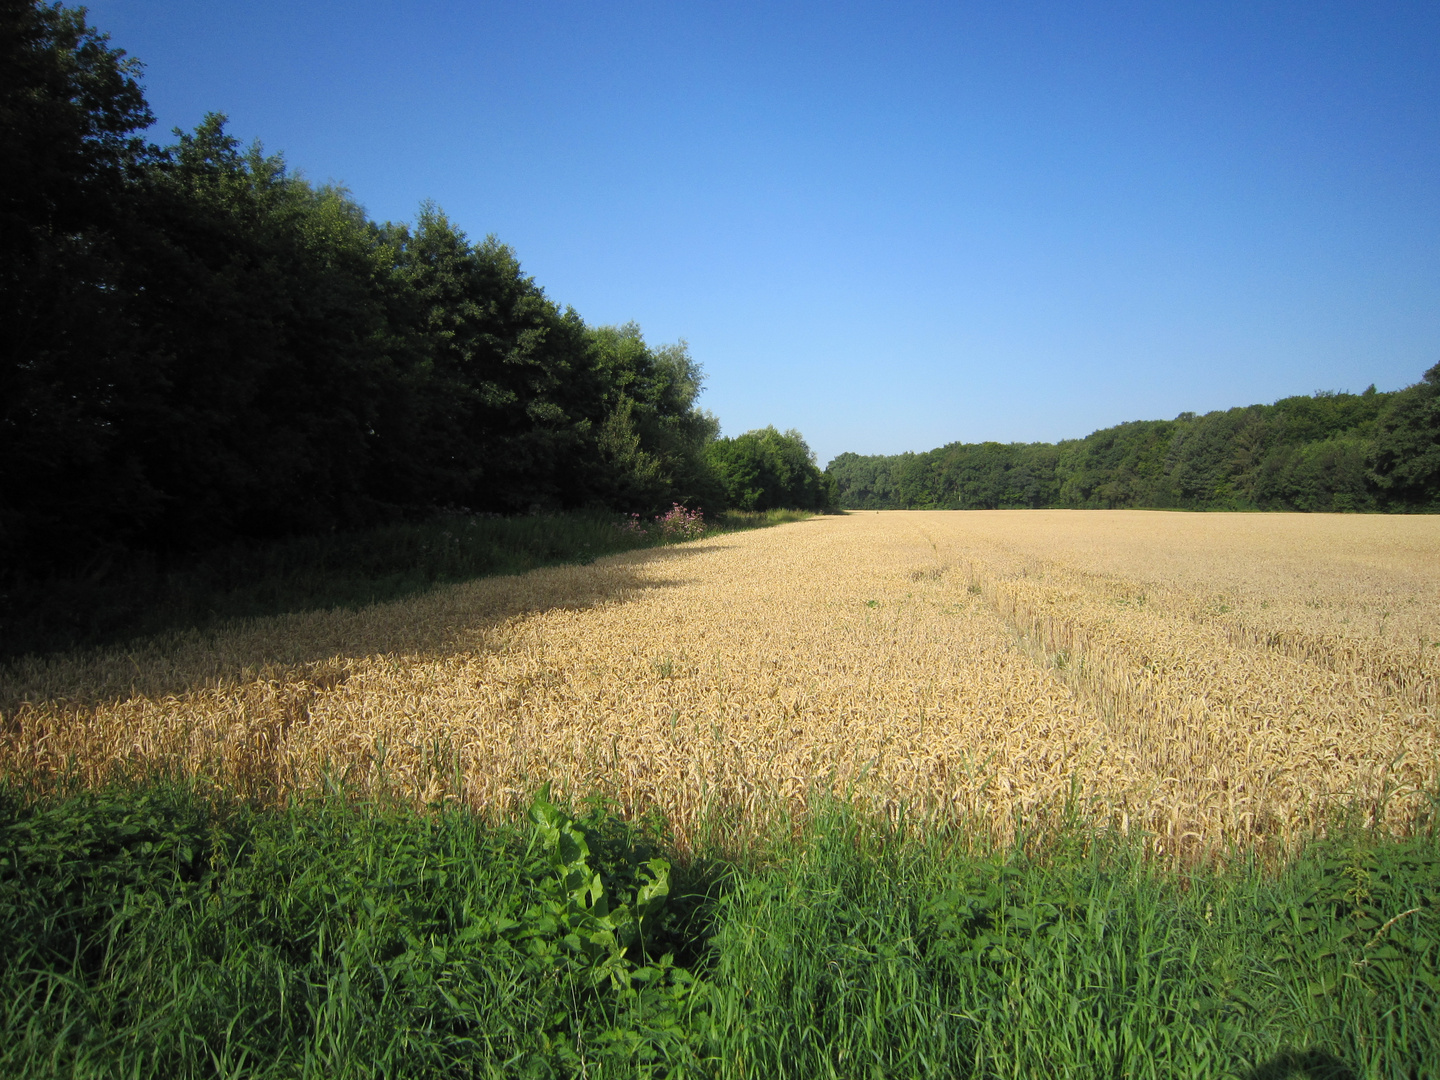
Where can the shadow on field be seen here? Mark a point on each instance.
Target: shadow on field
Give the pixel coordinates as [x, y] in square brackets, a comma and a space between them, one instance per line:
[444, 620]
[1312, 1064]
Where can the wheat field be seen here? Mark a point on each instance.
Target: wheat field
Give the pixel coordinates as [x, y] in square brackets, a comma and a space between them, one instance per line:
[1212, 679]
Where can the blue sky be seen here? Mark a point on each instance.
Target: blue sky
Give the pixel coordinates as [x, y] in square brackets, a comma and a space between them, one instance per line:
[897, 225]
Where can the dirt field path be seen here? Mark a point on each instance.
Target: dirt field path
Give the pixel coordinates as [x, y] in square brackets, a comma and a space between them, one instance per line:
[1206, 676]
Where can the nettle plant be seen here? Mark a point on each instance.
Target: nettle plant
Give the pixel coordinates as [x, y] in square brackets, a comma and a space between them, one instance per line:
[576, 922]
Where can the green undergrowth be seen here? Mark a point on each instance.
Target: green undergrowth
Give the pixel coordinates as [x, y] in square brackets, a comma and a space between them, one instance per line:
[135, 595]
[150, 931]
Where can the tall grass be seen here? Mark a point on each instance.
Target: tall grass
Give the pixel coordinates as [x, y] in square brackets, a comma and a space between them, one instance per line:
[149, 931]
[865, 953]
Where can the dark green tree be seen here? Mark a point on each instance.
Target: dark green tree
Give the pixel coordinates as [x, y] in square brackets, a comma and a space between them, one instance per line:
[767, 469]
[201, 346]
[71, 110]
[1405, 455]
[71, 107]
[1304, 453]
[653, 438]
[261, 341]
[865, 482]
[511, 392]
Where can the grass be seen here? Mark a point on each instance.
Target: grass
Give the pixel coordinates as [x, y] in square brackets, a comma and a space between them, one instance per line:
[863, 954]
[139, 594]
[153, 929]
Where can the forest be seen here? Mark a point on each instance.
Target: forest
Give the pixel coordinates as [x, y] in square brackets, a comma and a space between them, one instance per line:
[205, 348]
[1335, 452]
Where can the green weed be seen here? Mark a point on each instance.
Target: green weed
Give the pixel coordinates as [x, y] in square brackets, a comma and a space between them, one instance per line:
[150, 931]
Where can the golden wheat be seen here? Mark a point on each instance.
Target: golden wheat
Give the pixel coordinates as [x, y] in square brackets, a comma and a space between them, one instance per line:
[1206, 677]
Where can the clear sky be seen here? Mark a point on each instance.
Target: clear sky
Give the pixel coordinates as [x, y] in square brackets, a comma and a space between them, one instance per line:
[890, 225]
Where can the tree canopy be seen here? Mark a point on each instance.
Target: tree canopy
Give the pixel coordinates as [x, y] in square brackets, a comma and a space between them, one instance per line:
[203, 346]
[1321, 452]
[766, 469]
[1405, 451]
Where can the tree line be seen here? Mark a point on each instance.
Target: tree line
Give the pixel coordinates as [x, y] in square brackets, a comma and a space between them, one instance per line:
[201, 346]
[1322, 452]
